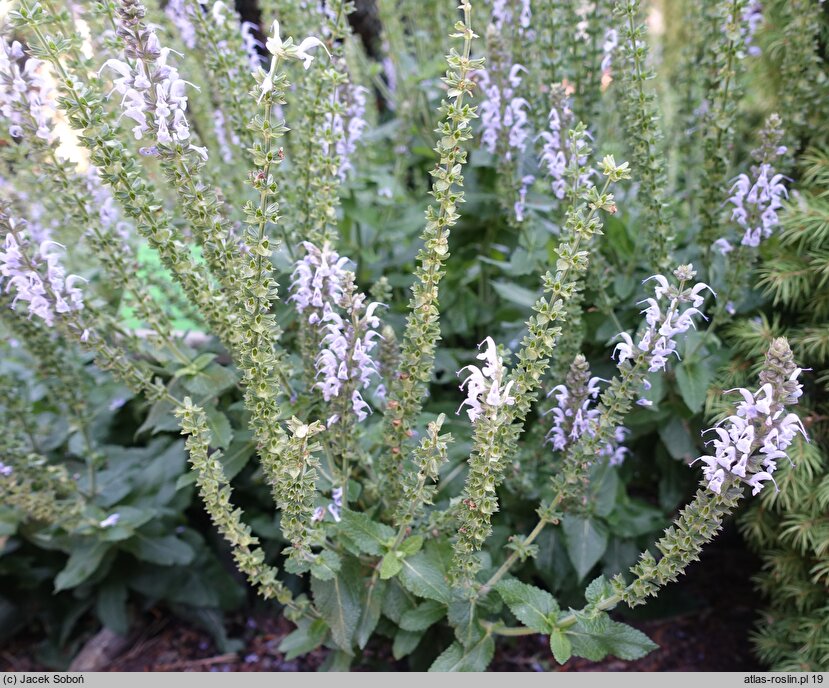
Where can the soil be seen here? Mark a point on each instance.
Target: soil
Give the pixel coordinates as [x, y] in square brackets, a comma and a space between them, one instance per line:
[704, 624]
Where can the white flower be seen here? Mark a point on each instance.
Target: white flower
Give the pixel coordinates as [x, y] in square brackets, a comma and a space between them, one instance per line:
[484, 384]
[110, 521]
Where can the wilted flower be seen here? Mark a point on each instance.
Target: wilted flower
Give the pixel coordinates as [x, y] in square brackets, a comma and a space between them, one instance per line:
[485, 385]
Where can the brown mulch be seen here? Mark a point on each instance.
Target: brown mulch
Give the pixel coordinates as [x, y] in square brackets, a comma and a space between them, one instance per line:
[710, 635]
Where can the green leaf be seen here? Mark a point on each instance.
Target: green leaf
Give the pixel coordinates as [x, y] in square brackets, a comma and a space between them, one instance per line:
[625, 642]
[598, 590]
[535, 608]
[167, 550]
[515, 294]
[405, 642]
[220, 427]
[308, 636]
[586, 542]
[411, 545]
[422, 616]
[560, 646]
[83, 562]
[372, 606]
[604, 487]
[325, 565]
[111, 607]
[367, 534]
[457, 658]
[693, 378]
[338, 600]
[596, 638]
[462, 615]
[424, 576]
[390, 566]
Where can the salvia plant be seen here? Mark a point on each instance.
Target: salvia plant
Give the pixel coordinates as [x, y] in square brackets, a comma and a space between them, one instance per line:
[207, 230]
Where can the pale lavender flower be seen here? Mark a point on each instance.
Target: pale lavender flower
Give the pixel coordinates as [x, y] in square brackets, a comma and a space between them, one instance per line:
[749, 443]
[26, 101]
[220, 130]
[752, 18]
[490, 110]
[181, 15]
[323, 291]
[251, 45]
[110, 521]
[560, 151]
[46, 296]
[347, 128]
[658, 341]
[5, 470]
[153, 95]
[485, 387]
[723, 246]
[519, 205]
[756, 203]
[611, 42]
[575, 414]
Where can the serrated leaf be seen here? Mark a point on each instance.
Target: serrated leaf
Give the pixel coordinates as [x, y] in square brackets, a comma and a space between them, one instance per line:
[338, 600]
[424, 576]
[596, 638]
[475, 658]
[423, 616]
[462, 615]
[626, 642]
[535, 608]
[308, 636]
[367, 534]
[560, 646]
[219, 427]
[371, 607]
[390, 566]
[586, 542]
[598, 589]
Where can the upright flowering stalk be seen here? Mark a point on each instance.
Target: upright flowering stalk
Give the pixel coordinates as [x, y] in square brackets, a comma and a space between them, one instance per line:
[422, 329]
[495, 439]
[773, 430]
[339, 333]
[720, 107]
[755, 200]
[286, 460]
[83, 107]
[576, 414]
[154, 97]
[643, 130]
[226, 46]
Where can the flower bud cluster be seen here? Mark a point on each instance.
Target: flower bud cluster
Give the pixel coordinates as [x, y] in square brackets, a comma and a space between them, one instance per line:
[46, 295]
[659, 339]
[750, 441]
[576, 413]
